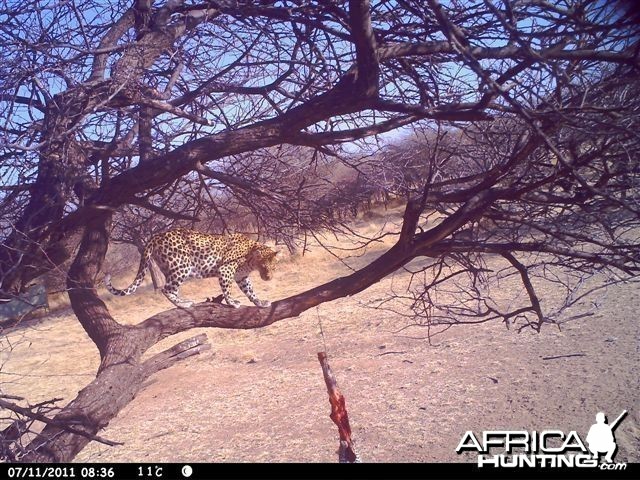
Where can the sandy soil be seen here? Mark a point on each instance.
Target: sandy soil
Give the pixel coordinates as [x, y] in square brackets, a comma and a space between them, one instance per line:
[260, 396]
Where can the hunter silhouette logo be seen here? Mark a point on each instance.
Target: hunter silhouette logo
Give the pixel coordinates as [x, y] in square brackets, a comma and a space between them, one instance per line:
[600, 437]
[548, 448]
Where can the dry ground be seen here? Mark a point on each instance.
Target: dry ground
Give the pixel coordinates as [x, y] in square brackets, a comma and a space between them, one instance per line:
[259, 395]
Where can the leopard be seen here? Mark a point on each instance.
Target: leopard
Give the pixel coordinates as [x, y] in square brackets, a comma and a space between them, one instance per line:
[182, 253]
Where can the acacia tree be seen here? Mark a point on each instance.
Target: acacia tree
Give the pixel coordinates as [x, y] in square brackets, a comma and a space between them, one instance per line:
[113, 104]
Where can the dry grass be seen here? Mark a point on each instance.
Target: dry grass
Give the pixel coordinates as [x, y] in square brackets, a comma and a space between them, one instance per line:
[259, 395]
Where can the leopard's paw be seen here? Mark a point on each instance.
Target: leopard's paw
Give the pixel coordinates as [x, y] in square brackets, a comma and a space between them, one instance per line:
[233, 303]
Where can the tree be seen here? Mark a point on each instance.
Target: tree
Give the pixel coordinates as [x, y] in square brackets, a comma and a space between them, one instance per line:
[108, 106]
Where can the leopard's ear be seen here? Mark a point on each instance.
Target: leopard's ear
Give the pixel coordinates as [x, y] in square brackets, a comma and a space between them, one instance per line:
[279, 254]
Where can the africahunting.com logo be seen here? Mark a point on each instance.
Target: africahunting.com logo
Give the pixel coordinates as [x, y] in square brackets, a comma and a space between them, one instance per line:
[549, 448]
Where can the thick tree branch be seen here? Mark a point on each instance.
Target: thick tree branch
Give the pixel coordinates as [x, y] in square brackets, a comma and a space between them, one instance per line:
[410, 49]
[163, 211]
[526, 281]
[364, 40]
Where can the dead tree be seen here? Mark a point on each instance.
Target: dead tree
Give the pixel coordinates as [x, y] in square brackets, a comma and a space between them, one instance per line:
[145, 101]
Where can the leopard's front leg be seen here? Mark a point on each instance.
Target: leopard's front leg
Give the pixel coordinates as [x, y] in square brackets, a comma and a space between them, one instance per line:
[247, 288]
[225, 279]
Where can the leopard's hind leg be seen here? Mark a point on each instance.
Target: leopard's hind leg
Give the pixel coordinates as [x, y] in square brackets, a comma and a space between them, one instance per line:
[170, 290]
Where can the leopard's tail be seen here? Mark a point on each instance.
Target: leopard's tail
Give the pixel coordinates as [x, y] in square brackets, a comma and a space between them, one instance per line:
[144, 264]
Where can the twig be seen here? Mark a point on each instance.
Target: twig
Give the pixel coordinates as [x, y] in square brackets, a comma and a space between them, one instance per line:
[565, 356]
[11, 397]
[389, 353]
[41, 418]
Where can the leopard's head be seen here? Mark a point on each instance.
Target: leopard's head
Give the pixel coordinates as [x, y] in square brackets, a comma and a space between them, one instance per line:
[264, 260]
